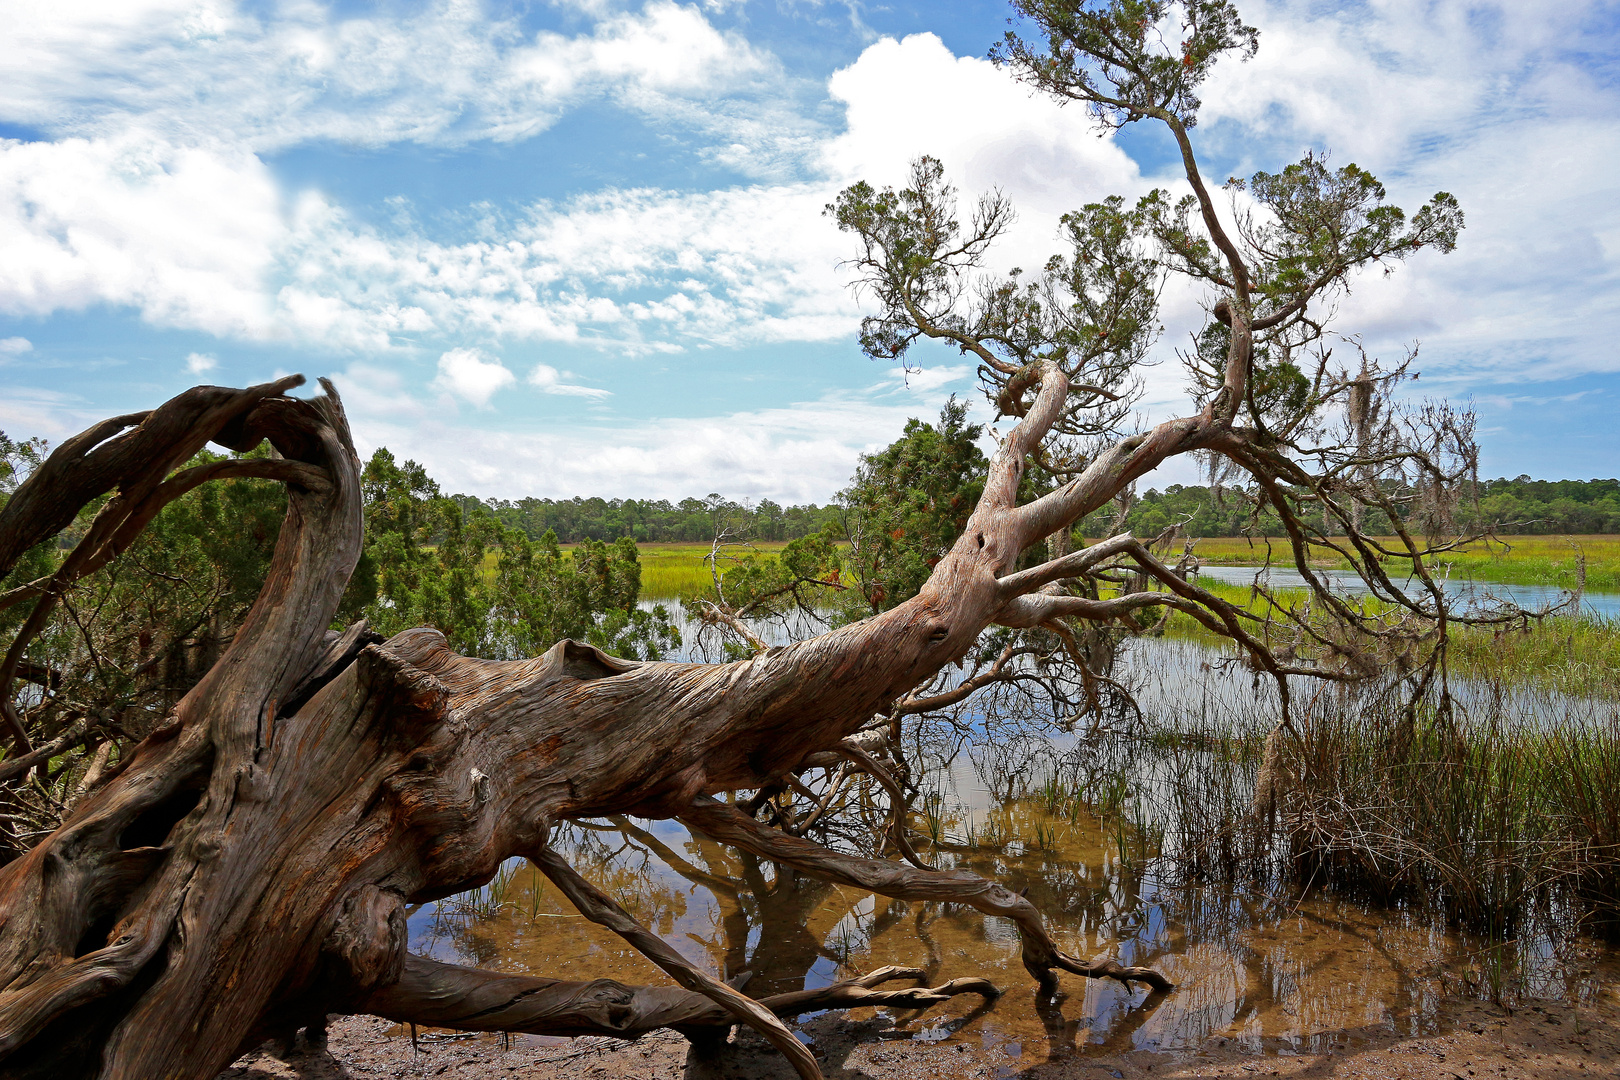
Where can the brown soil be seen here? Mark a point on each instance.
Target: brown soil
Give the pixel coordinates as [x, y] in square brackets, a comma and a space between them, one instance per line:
[1539, 1040]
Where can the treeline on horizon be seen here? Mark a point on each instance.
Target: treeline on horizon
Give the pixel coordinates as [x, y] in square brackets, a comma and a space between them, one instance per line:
[1517, 507]
[1520, 506]
[654, 521]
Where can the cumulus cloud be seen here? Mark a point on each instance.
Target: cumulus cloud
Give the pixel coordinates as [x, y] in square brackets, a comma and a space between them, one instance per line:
[201, 363]
[910, 97]
[201, 238]
[465, 374]
[153, 196]
[15, 346]
[186, 236]
[1482, 99]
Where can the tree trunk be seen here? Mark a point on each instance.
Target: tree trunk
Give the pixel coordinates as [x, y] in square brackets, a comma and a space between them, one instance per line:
[246, 871]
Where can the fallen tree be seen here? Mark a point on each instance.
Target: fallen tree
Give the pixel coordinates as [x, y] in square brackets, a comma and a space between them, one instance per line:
[244, 869]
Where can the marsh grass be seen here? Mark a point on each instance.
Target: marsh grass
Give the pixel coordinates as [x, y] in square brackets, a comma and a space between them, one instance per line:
[1489, 822]
[1578, 655]
[670, 571]
[1575, 656]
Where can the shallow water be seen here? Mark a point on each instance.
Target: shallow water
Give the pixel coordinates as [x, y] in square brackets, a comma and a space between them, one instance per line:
[1189, 683]
[1274, 976]
[1464, 592]
[1289, 975]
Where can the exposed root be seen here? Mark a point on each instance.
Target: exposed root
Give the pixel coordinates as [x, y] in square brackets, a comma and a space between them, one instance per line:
[472, 999]
[598, 907]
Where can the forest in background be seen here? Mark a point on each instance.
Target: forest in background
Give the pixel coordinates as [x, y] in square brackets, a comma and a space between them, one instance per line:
[1520, 506]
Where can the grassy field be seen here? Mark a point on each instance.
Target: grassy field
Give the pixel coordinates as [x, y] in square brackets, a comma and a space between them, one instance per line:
[1517, 560]
[671, 570]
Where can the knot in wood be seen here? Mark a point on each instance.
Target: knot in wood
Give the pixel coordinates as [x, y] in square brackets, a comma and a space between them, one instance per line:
[368, 938]
[483, 787]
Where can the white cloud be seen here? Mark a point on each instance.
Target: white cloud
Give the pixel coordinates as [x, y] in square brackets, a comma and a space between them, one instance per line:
[186, 236]
[153, 197]
[804, 452]
[201, 363]
[1375, 82]
[1482, 99]
[642, 270]
[300, 72]
[15, 346]
[467, 375]
[910, 97]
[927, 380]
[550, 381]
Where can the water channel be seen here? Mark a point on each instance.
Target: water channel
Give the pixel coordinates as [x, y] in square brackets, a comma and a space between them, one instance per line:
[1275, 974]
[1464, 592]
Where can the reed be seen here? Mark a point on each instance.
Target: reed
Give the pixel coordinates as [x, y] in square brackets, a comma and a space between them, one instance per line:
[1487, 821]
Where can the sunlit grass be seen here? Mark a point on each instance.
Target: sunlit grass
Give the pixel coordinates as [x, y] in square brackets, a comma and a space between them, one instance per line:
[669, 571]
[1571, 655]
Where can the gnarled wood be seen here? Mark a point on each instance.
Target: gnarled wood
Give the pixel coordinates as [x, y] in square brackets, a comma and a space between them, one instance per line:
[472, 999]
[247, 870]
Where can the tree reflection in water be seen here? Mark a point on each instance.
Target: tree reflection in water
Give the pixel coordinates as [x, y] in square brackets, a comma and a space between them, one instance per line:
[1288, 976]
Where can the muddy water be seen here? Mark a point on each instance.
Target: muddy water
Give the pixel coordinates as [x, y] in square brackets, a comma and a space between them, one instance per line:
[1274, 977]
[1280, 976]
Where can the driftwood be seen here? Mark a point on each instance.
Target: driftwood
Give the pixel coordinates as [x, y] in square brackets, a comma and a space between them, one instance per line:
[246, 870]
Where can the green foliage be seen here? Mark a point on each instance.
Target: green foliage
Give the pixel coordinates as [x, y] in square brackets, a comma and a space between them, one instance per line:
[427, 562]
[909, 502]
[128, 641]
[17, 461]
[1194, 507]
[1518, 507]
[915, 255]
[1527, 507]
[649, 520]
[1127, 59]
[1323, 223]
[1295, 237]
[539, 596]
[1093, 309]
[1311, 227]
[800, 576]
[1278, 391]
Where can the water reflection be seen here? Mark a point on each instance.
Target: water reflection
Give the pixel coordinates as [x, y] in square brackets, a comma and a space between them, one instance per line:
[1274, 977]
[1282, 975]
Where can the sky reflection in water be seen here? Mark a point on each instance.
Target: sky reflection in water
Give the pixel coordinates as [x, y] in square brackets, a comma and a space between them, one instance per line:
[1275, 976]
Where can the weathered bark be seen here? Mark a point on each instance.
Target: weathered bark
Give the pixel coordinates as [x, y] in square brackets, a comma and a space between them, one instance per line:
[472, 999]
[247, 870]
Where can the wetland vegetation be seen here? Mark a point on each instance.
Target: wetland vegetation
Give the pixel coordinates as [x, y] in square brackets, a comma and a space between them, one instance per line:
[967, 722]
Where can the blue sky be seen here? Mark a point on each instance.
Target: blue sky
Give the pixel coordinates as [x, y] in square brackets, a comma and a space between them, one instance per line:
[576, 247]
